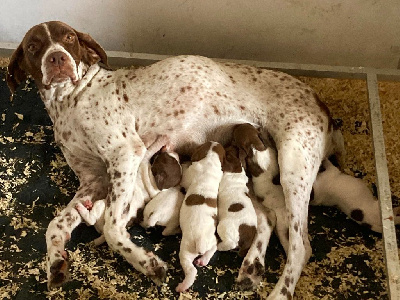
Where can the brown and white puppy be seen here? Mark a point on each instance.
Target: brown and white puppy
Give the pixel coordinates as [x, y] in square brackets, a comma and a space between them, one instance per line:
[153, 180]
[351, 195]
[104, 121]
[164, 208]
[237, 220]
[198, 214]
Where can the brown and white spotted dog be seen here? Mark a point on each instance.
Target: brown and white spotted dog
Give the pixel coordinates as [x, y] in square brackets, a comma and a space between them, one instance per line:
[198, 216]
[104, 120]
[237, 220]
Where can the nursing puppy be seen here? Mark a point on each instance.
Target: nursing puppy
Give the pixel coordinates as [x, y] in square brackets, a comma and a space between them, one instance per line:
[236, 214]
[198, 214]
[154, 180]
[163, 210]
[351, 195]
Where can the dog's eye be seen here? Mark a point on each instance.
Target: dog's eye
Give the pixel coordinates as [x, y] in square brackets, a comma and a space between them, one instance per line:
[69, 38]
[32, 48]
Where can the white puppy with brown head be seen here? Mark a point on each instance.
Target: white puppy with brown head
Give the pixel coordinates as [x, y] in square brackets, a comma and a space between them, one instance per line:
[350, 194]
[164, 208]
[198, 216]
[158, 177]
[237, 219]
[262, 165]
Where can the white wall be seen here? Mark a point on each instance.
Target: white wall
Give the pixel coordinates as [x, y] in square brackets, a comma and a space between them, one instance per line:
[332, 32]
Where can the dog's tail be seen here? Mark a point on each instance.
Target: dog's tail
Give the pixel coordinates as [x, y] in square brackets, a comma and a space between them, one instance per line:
[336, 151]
[339, 151]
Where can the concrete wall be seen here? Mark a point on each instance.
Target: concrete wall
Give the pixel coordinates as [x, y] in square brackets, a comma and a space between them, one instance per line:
[331, 32]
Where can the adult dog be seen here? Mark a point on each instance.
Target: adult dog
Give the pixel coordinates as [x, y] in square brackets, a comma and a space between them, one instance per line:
[104, 121]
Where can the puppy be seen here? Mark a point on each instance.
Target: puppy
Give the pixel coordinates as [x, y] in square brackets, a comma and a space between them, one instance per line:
[156, 179]
[163, 210]
[351, 195]
[236, 214]
[198, 214]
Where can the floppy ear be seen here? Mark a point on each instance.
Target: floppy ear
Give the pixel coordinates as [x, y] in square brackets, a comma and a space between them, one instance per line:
[15, 75]
[93, 51]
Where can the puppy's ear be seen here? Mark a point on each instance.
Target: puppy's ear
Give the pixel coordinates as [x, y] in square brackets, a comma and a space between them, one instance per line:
[93, 52]
[15, 74]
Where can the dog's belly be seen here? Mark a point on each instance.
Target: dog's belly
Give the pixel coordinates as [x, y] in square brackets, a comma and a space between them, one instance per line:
[194, 99]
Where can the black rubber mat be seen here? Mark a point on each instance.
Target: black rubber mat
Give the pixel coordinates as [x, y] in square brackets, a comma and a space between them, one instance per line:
[347, 261]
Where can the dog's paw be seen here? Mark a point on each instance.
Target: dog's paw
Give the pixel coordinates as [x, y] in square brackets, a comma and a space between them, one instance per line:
[59, 273]
[250, 275]
[156, 269]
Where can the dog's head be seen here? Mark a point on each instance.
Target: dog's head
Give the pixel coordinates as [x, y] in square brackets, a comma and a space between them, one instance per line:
[51, 53]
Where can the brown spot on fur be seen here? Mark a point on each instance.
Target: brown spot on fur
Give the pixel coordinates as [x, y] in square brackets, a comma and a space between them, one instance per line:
[259, 246]
[235, 207]
[220, 151]
[254, 169]
[246, 236]
[127, 250]
[126, 210]
[357, 215]
[201, 152]
[287, 281]
[250, 269]
[66, 135]
[195, 199]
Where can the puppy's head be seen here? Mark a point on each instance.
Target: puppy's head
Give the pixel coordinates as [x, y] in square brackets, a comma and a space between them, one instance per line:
[202, 151]
[247, 137]
[166, 170]
[51, 53]
[232, 162]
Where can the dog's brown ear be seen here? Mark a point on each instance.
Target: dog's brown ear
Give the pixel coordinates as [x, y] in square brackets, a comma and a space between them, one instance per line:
[93, 51]
[15, 75]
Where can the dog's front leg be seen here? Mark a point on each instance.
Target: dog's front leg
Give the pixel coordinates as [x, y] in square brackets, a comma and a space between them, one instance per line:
[122, 167]
[60, 229]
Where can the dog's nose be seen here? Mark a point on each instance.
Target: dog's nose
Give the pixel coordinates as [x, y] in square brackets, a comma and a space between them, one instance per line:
[57, 58]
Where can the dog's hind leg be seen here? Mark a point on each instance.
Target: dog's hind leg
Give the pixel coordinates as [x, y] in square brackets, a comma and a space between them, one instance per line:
[299, 158]
[122, 166]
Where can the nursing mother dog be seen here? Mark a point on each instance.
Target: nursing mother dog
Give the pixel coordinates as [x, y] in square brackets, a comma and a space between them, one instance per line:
[105, 120]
